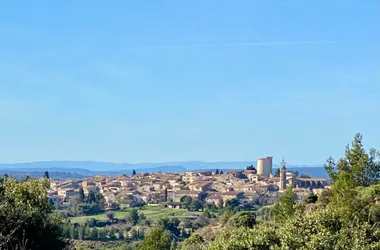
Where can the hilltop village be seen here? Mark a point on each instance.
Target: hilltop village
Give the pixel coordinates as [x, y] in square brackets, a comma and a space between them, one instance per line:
[254, 185]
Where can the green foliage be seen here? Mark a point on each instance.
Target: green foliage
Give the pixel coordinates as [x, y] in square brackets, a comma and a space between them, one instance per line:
[195, 205]
[133, 217]
[82, 197]
[345, 217]
[158, 239]
[94, 233]
[251, 167]
[286, 207]
[186, 201]
[311, 198]
[169, 224]
[261, 237]
[26, 215]
[243, 219]
[194, 242]
[231, 204]
[277, 173]
[358, 166]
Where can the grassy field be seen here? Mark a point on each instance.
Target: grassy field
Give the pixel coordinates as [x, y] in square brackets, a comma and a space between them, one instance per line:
[152, 213]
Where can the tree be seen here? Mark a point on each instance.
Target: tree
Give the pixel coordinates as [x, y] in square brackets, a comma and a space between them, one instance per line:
[81, 232]
[91, 197]
[74, 232]
[186, 201]
[133, 217]
[158, 239]
[94, 233]
[195, 205]
[285, 208]
[251, 167]
[305, 176]
[134, 172]
[82, 197]
[277, 173]
[217, 171]
[221, 172]
[202, 196]
[26, 214]
[231, 204]
[170, 224]
[240, 195]
[102, 233]
[357, 166]
[111, 235]
[5, 176]
[311, 198]
[46, 175]
[243, 219]
[142, 217]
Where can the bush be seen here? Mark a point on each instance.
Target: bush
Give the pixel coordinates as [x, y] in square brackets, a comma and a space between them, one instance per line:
[243, 219]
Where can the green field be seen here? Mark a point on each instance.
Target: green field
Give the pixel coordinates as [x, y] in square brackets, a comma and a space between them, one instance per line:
[152, 213]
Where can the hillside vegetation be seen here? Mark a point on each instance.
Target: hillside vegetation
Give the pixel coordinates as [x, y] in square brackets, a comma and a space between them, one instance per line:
[344, 216]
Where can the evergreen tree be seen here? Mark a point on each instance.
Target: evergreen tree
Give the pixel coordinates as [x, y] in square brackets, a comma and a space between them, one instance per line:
[217, 171]
[133, 217]
[221, 172]
[46, 175]
[82, 197]
[286, 207]
[91, 197]
[134, 172]
[277, 173]
[357, 166]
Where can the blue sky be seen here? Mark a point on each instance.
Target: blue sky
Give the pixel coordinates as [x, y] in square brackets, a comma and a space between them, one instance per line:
[155, 81]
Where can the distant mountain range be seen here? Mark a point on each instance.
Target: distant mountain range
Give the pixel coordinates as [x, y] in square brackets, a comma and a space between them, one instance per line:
[81, 169]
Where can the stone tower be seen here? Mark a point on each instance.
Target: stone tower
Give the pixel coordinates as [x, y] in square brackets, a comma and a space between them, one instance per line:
[283, 175]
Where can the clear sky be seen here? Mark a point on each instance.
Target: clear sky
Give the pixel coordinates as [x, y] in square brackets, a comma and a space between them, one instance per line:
[154, 81]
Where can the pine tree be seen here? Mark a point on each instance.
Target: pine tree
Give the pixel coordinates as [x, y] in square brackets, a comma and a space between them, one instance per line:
[217, 171]
[358, 166]
[134, 172]
[285, 208]
[46, 175]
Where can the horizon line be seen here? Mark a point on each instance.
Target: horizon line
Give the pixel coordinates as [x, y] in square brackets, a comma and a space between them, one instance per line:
[247, 44]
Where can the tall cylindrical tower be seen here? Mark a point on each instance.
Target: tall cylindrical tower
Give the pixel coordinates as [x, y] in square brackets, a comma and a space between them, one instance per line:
[264, 166]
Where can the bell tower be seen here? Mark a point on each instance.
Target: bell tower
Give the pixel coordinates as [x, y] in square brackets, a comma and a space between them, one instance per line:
[283, 175]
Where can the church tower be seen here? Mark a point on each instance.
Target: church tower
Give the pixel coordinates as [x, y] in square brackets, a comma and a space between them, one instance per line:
[283, 175]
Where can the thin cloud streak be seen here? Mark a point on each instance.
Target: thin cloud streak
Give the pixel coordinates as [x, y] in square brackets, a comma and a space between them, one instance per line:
[246, 44]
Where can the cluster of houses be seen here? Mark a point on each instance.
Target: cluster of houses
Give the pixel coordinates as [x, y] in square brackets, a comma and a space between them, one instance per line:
[169, 188]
